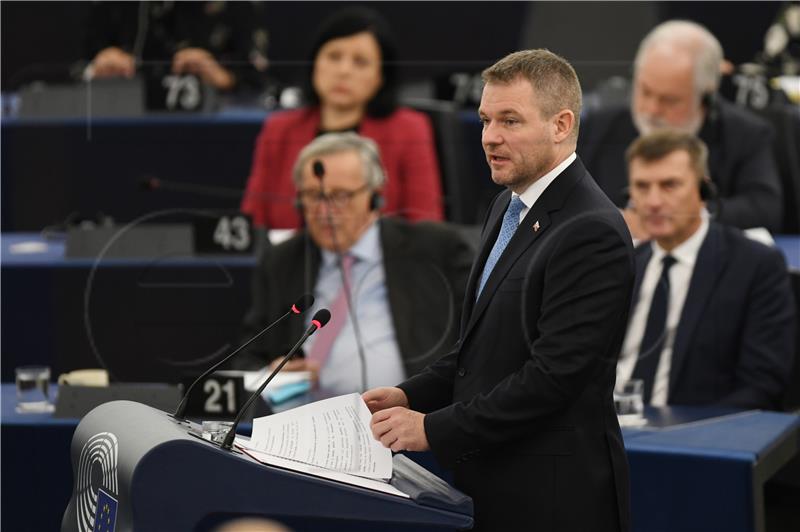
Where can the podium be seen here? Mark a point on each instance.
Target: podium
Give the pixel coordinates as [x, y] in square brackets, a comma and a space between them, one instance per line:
[149, 473]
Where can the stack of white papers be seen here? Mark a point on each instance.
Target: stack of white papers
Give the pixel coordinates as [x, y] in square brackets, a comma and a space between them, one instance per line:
[329, 438]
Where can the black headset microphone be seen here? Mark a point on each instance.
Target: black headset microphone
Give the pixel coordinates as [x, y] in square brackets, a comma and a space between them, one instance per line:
[375, 203]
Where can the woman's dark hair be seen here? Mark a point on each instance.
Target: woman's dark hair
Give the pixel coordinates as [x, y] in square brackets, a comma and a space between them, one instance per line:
[350, 21]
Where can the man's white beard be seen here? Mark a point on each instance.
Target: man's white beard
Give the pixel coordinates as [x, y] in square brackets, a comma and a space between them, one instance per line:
[647, 125]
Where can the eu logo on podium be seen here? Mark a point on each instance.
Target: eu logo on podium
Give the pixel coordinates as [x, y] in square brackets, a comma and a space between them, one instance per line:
[106, 516]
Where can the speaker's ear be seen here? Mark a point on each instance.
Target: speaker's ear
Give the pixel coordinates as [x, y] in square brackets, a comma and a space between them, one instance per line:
[298, 204]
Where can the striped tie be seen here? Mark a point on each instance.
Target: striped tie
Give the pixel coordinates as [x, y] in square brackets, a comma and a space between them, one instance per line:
[326, 336]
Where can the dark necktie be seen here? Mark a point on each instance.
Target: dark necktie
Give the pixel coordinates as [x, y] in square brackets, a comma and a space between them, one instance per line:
[654, 332]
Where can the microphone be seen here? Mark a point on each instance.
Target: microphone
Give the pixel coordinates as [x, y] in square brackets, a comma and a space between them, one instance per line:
[302, 304]
[318, 169]
[319, 172]
[150, 183]
[319, 321]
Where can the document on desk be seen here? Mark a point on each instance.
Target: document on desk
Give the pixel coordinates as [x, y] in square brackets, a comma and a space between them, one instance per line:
[353, 480]
[333, 434]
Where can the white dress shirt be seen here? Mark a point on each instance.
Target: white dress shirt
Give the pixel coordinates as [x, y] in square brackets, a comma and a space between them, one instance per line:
[680, 275]
[341, 373]
[537, 188]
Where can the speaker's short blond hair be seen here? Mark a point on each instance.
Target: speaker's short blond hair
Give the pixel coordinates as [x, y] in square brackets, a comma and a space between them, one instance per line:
[551, 76]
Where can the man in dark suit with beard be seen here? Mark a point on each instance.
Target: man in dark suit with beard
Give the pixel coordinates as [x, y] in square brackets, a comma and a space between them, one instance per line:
[522, 409]
[675, 81]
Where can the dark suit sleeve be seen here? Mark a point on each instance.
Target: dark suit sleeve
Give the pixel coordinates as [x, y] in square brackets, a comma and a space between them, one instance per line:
[767, 339]
[754, 199]
[586, 291]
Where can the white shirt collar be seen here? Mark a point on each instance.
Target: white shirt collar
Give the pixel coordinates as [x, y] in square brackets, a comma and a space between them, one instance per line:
[686, 252]
[535, 190]
[366, 249]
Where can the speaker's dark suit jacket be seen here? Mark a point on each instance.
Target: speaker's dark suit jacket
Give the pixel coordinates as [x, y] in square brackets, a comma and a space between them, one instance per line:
[735, 340]
[426, 266]
[740, 161]
[522, 409]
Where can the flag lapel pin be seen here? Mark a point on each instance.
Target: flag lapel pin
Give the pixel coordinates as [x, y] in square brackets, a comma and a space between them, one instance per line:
[536, 226]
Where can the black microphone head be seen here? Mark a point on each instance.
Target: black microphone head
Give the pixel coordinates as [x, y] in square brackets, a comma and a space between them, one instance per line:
[303, 303]
[318, 168]
[321, 318]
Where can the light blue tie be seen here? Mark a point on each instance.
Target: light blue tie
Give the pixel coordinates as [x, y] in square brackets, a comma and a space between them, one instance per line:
[510, 223]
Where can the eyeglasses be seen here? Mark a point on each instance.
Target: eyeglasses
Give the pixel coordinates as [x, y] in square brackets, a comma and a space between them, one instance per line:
[338, 198]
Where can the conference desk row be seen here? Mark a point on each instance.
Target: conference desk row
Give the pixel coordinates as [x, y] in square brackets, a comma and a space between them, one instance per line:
[76, 313]
[699, 469]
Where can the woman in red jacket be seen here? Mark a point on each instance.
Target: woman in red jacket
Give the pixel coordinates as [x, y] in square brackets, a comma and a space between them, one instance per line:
[353, 90]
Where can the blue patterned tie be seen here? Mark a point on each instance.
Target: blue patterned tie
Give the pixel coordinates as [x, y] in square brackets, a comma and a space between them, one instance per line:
[510, 223]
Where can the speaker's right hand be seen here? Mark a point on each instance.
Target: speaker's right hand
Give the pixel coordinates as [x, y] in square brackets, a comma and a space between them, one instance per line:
[378, 399]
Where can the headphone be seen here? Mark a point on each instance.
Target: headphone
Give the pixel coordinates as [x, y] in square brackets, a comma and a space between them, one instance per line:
[708, 190]
[709, 102]
[708, 193]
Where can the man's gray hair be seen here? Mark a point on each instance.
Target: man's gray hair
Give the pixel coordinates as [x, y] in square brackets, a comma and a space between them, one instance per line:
[330, 143]
[704, 48]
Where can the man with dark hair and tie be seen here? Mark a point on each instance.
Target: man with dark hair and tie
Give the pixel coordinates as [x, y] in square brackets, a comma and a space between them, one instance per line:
[712, 320]
[522, 408]
[394, 288]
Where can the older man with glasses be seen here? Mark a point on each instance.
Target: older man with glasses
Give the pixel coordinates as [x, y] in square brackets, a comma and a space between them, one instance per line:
[394, 288]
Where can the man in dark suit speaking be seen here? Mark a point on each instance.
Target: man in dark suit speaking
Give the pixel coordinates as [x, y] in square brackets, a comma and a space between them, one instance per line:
[712, 320]
[522, 408]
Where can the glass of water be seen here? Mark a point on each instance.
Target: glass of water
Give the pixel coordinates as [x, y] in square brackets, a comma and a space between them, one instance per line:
[33, 390]
[629, 403]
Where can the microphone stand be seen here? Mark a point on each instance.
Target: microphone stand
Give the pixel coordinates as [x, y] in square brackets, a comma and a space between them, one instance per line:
[318, 322]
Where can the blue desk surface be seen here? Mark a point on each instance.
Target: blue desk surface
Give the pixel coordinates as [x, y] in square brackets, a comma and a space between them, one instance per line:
[227, 116]
[52, 255]
[790, 245]
[687, 430]
[740, 436]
